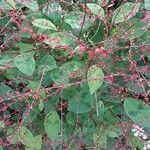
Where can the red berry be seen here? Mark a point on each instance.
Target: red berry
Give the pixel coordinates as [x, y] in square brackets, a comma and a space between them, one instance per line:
[91, 54]
[1, 11]
[98, 50]
[82, 48]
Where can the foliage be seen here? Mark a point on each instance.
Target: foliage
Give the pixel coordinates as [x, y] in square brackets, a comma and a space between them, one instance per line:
[74, 74]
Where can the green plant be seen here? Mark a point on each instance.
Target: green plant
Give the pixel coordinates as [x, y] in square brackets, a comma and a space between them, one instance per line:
[74, 74]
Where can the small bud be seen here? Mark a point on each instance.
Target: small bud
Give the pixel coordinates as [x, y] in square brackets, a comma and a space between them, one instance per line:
[98, 50]
[82, 48]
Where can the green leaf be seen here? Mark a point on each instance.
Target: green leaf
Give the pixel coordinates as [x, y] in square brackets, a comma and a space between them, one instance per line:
[4, 89]
[25, 63]
[25, 47]
[4, 60]
[137, 111]
[53, 11]
[75, 19]
[95, 77]
[134, 87]
[30, 114]
[68, 93]
[34, 85]
[70, 118]
[59, 77]
[103, 1]
[2, 125]
[25, 136]
[28, 148]
[101, 140]
[96, 9]
[78, 108]
[1, 148]
[32, 5]
[147, 4]
[78, 105]
[59, 39]
[41, 2]
[52, 125]
[36, 143]
[12, 134]
[7, 5]
[136, 142]
[88, 127]
[41, 105]
[11, 4]
[46, 62]
[134, 28]
[113, 131]
[125, 11]
[72, 66]
[44, 23]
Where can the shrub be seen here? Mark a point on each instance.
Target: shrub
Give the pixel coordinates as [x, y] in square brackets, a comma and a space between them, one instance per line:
[74, 74]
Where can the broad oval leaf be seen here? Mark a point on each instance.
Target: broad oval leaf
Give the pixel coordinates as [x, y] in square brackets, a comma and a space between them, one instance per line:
[59, 39]
[81, 103]
[133, 27]
[95, 77]
[12, 134]
[25, 47]
[59, 77]
[72, 66]
[44, 23]
[25, 136]
[147, 4]
[137, 111]
[4, 61]
[53, 11]
[96, 9]
[11, 4]
[125, 11]
[32, 5]
[4, 89]
[30, 114]
[102, 140]
[25, 63]
[75, 19]
[79, 107]
[36, 143]
[52, 125]
[46, 62]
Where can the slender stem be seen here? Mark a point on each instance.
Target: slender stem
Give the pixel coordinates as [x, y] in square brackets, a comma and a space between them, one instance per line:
[97, 111]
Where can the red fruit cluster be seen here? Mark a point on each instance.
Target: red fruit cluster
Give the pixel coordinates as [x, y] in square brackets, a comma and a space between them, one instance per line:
[82, 48]
[1, 11]
[103, 52]
[15, 18]
[91, 54]
[27, 30]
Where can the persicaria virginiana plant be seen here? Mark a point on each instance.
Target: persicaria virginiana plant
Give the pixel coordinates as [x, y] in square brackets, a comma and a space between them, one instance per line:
[74, 75]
